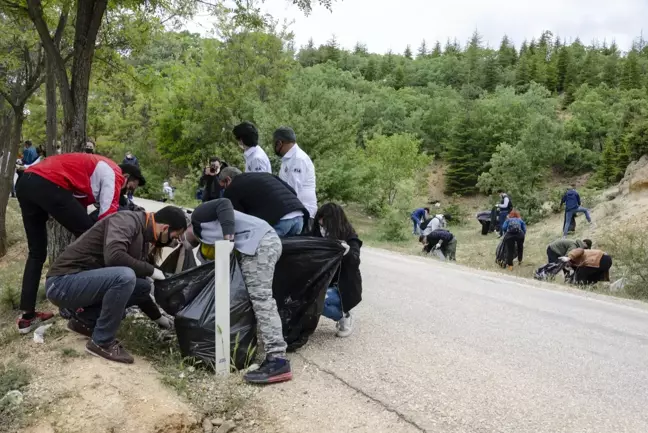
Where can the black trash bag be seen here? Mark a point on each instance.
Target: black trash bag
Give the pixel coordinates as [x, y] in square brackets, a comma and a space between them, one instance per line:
[195, 323]
[180, 259]
[484, 219]
[174, 293]
[303, 274]
[500, 252]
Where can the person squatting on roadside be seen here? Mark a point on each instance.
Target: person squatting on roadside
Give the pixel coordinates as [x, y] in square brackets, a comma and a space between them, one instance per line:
[441, 240]
[105, 271]
[259, 249]
[63, 186]
[331, 223]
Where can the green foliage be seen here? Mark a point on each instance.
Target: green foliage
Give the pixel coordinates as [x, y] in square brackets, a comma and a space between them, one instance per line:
[13, 377]
[393, 227]
[629, 248]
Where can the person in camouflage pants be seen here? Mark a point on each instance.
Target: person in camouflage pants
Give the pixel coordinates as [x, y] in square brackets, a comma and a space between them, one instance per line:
[258, 272]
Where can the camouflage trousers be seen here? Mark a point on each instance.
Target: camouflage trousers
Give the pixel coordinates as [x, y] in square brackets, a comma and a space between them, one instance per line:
[258, 272]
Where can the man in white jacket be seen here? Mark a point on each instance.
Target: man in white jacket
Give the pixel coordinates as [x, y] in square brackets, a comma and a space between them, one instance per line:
[256, 160]
[297, 169]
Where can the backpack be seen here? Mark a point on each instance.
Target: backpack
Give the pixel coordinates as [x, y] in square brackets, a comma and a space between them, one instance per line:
[514, 227]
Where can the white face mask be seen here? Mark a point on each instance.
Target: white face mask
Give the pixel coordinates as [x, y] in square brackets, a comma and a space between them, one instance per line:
[323, 231]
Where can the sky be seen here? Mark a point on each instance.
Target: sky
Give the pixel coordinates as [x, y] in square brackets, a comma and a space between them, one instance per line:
[385, 25]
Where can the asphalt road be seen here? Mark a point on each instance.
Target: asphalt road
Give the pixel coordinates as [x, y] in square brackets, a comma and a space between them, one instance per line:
[443, 348]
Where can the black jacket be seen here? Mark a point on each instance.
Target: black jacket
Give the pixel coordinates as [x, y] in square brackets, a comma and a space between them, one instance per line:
[264, 196]
[437, 236]
[349, 277]
[211, 188]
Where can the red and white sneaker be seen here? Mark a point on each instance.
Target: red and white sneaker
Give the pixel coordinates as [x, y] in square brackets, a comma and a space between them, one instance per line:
[25, 326]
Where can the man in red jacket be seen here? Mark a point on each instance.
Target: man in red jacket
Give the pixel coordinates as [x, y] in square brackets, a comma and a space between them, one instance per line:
[63, 186]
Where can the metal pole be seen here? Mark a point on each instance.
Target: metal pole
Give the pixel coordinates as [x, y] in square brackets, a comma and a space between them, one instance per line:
[222, 306]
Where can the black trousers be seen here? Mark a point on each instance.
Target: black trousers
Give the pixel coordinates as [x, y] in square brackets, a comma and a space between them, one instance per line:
[39, 199]
[587, 275]
[511, 241]
[552, 256]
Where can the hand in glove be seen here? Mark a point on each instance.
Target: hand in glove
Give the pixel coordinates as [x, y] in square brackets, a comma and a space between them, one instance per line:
[164, 322]
[437, 246]
[158, 275]
[563, 259]
[346, 247]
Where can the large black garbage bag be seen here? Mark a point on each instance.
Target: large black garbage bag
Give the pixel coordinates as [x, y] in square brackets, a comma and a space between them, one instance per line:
[174, 293]
[180, 259]
[500, 252]
[195, 323]
[304, 272]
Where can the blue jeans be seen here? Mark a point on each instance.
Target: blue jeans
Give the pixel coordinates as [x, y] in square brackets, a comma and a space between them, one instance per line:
[416, 222]
[333, 304]
[109, 290]
[569, 214]
[502, 218]
[291, 227]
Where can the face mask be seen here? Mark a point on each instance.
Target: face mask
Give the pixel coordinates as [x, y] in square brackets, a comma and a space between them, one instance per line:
[89, 151]
[163, 240]
[323, 232]
[277, 149]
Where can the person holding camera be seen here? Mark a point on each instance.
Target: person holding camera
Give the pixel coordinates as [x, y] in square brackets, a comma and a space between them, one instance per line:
[209, 180]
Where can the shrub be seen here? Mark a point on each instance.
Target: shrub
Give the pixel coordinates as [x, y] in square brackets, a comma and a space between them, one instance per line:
[629, 251]
[393, 227]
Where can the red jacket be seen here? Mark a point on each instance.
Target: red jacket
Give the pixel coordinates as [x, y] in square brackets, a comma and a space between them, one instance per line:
[91, 178]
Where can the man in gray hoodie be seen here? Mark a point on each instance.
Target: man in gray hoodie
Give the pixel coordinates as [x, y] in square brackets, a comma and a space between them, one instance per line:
[260, 249]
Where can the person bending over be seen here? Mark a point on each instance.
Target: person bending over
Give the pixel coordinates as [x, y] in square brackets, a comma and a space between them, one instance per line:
[260, 249]
[331, 222]
[441, 240]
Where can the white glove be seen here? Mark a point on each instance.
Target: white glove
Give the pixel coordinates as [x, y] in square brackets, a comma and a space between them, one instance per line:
[158, 275]
[438, 246]
[563, 259]
[346, 247]
[164, 322]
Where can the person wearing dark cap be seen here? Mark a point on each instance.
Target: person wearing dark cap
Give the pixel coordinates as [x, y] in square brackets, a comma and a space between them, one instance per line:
[256, 160]
[297, 169]
[107, 270]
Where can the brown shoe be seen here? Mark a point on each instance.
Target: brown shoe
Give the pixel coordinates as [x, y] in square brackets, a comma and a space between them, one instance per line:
[80, 328]
[111, 351]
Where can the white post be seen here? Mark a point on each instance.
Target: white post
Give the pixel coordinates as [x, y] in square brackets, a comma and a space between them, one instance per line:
[222, 306]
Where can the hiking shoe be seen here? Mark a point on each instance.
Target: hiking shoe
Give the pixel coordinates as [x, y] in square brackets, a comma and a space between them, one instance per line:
[344, 326]
[25, 326]
[271, 371]
[111, 351]
[79, 327]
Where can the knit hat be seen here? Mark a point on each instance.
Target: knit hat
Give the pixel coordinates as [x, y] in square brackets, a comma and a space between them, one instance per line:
[285, 134]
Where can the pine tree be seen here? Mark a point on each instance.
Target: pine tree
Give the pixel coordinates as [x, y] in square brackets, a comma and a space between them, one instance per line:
[490, 74]
[332, 50]
[552, 75]
[631, 78]
[388, 64]
[436, 52]
[524, 48]
[523, 71]
[589, 73]
[563, 66]
[608, 168]
[623, 158]
[464, 166]
[506, 53]
[370, 72]
[399, 77]
[360, 49]
[472, 57]
[611, 70]
[422, 50]
[408, 53]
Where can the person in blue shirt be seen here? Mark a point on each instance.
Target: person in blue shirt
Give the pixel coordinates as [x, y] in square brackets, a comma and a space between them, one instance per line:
[515, 231]
[572, 202]
[30, 154]
[418, 216]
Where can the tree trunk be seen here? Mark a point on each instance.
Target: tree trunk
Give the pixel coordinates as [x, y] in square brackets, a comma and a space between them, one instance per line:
[50, 97]
[7, 167]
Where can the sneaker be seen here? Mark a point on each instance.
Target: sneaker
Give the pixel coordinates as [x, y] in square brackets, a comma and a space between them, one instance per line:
[271, 371]
[25, 326]
[111, 351]
[510, 268]
[344, 326]
[77, 326]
